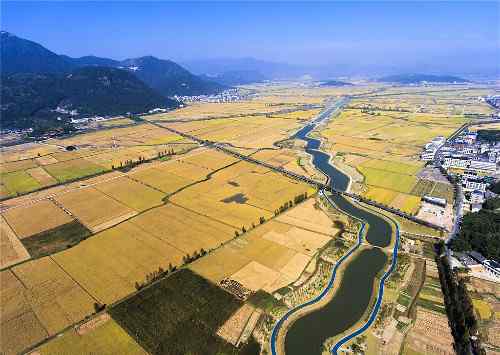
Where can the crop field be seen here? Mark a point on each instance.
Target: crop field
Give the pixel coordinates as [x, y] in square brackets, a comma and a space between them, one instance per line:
[40, 175]
[110, 263]
[388, 180]
[56, 239]
[431, 296]
[482, 308]
[18, 182]
[93, 208]
[205, 110]
[107, 338]
[272, 255]
[12, 250]
[43, 215]
[72, 169]
[38, 299]
[131, 193]
[183, 229]
[178, 315]
[240, 194]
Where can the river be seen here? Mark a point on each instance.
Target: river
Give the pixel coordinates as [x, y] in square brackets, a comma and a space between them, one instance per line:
[352, 297]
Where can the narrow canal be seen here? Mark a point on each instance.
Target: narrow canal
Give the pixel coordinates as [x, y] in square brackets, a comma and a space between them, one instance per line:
[352, 298]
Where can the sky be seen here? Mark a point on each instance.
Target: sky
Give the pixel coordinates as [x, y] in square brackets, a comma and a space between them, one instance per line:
[442, 36]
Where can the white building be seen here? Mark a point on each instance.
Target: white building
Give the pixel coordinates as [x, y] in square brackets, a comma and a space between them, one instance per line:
[483, 166]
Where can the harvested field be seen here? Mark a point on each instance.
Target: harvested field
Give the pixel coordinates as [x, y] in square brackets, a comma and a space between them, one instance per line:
[93, 208]
[231, 330]
[131, 193]
[43, 215]
[160, 179]
[255, 276]
[105, 338]
[171, 317]
[9, 167]
[307, 216]
[431, 334]
[56, 239]
[110, 263]
[40, 175]
[12, 250]
[268, 257]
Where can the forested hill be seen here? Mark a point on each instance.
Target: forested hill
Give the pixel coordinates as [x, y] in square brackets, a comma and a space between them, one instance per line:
[169, 78]
[421, 78]
[30, 100]
[19, 55]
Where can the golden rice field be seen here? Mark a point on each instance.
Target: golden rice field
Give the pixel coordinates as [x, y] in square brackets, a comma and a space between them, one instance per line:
[38, 299]
[240, 194]
[107, 338]
[272, 255]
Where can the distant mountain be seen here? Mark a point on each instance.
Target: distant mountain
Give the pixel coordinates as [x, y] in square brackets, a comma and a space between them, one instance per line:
[169, 78]
[335, 83]
[28, 98]
[19, 55]
[420, 78]
[270, 70]
[237, 77]
[91, 60]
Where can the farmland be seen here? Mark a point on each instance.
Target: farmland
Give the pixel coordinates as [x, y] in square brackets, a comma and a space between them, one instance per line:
[382, 136]
[107, 338]
[106, 226]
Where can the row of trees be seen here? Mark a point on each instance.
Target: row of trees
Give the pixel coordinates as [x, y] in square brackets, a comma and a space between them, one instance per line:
[459, 307]
[129, 164]
[296, 200]
[155, 275]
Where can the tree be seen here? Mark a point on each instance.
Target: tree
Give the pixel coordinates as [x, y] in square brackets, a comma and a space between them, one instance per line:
[262, 220]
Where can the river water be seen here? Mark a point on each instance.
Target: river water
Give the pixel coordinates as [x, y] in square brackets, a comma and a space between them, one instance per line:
[352, 298]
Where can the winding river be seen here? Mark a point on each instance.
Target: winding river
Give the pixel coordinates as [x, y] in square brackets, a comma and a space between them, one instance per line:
[352, 297]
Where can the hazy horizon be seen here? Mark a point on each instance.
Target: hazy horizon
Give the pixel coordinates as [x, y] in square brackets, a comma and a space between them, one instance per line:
[447, 37]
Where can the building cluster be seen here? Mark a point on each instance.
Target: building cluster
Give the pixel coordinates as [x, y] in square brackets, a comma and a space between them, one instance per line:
[493, 100]
[231, 95]
[475, 162]
[478, 264]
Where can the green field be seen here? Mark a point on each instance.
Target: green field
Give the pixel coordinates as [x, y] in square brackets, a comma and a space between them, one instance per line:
[54, 240]
[431, 296]
[73, 169]
[388, 180]
[19, 182]
[178, 315]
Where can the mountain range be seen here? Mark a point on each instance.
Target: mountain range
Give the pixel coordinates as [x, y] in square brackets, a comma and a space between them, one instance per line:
[421, 78]
[39, 85]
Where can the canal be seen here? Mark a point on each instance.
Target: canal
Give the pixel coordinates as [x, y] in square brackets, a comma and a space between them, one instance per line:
[352, 297]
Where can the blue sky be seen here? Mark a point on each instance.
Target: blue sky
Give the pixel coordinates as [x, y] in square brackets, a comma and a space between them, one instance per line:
[368, 33]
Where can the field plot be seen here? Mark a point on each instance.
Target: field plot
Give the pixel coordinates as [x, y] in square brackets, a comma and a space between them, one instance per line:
[185, 230]
[36, 218]
[18, 182]
[270, 256]
[56, 239]
[178, 315]
[131, 193]
[12, 250]
[38, 299]
[110, 263]
[40, 175]
[240, 194]
[94, 209]
[232, 329]
[72, 169]
[105, 338]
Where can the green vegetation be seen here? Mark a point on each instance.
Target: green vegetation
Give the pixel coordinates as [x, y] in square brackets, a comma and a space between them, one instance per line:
[490, 135]
[480, 231]
[492, 204]
[73, 169]
[19, 182]
[178, 315]
[56, 239]
[265, 301]
[459, 307]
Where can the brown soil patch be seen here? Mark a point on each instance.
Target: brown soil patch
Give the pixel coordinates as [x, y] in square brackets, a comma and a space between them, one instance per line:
[92, 324]
[234, 326]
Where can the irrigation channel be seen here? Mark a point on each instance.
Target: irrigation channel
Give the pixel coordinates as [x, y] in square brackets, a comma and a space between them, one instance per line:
[352, 297]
